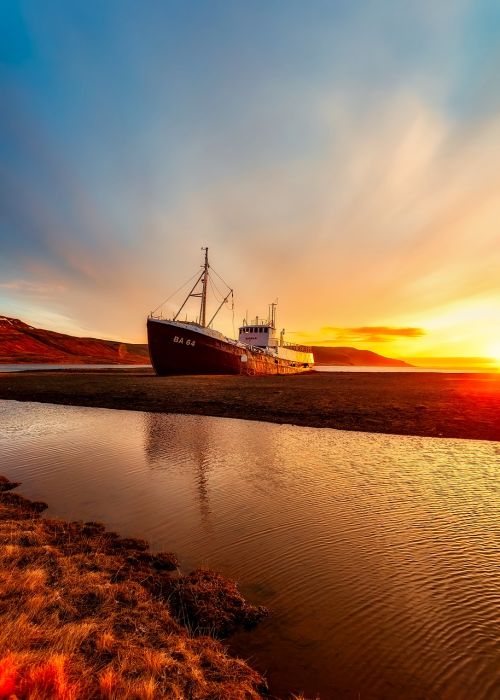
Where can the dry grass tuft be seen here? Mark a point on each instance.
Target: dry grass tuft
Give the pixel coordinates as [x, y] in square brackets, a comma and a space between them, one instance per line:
[207, 603]
[87, 614]
[6, 485]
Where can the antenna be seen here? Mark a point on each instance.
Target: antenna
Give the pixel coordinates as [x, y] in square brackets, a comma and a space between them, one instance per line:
[273, 313]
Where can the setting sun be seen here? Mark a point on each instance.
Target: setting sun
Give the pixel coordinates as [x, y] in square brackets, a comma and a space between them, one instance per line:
[493, 351]
[249, 310]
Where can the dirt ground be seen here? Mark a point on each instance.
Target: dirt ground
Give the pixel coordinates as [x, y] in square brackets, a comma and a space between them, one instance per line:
[426, 404]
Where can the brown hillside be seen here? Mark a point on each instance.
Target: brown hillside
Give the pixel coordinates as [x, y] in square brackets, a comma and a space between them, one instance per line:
[21, 343]
[356, 358]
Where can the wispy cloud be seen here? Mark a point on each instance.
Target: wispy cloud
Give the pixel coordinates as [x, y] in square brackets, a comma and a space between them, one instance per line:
[34, 289]
[370, 334]
[321, 154]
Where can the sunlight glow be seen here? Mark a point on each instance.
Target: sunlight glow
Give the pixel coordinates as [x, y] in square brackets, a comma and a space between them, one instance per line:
[493, 351]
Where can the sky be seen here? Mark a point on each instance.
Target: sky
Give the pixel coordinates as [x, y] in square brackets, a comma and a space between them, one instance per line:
[339, 157]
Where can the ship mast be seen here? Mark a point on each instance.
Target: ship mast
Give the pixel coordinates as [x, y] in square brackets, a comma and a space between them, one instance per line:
[203, 307]
[203, 278]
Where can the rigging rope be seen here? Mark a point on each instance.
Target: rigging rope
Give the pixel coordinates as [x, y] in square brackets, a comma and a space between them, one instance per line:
[220, 296]
[222, 280]
[216, 291]
[212, 289]
[232, 307]
[176, 292]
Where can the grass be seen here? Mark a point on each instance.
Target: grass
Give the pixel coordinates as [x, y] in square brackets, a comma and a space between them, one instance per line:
[87, 614]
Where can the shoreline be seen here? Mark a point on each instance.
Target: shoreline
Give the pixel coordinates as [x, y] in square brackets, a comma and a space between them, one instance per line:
[86, 613]
[461, 405]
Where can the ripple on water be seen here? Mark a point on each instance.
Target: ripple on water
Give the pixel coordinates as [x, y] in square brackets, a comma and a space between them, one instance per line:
[378, 554]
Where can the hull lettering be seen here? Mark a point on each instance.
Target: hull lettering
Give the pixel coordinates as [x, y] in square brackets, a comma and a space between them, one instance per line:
[180, 340]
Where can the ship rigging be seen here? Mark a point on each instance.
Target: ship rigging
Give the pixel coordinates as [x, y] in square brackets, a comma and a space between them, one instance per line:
[201, 284]
[194, 347]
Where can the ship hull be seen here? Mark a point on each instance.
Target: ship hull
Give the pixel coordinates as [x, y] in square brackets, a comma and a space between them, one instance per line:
[179, 349]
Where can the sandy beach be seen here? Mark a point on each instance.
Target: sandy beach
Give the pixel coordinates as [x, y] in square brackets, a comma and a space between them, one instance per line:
[425, 404]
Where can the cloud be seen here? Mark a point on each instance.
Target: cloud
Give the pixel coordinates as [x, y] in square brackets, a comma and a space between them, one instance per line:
[34, 289]
[369, 334]
[339, 175]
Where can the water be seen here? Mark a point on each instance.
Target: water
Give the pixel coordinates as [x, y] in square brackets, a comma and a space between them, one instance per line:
[32, 367]
[318, 368]
[378, 554]
[405, 370]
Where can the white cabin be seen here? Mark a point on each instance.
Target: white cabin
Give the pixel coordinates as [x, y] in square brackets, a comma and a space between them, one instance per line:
[261, 333]
[258, 333]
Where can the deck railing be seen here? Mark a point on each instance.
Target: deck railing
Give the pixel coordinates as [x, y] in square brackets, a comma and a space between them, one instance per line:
[299, 348]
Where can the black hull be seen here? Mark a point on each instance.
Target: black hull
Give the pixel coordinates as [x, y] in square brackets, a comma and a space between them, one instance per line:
[179, 350]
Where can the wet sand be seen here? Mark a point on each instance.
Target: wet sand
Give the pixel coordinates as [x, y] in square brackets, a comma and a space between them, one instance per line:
[425, 404]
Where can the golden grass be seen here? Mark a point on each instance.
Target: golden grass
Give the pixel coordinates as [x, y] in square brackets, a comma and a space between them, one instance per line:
[86, 614]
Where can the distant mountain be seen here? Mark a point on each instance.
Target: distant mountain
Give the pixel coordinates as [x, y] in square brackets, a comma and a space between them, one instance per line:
[356, 358]
[21, 343]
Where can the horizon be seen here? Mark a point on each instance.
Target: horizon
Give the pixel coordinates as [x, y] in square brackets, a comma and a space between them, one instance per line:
[342, 158]
[485, 364]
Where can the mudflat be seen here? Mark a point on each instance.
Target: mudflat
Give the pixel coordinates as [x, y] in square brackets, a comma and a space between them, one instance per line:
[426, 404]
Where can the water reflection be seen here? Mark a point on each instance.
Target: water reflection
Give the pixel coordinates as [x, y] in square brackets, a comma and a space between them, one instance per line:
[377, 554]
[165, 447]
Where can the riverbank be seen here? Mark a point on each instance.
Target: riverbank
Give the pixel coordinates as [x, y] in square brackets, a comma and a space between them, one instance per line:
[425, 404]
[86, 613]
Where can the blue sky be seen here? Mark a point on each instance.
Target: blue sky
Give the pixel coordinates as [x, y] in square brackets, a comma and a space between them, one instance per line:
[341, 156]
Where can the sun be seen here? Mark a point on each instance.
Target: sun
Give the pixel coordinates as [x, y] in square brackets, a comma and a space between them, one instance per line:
[493, 351]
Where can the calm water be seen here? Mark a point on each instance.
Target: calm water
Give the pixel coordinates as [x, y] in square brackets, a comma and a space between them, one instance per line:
[33, 366]
[378, 555]
[318, 368]
[404, 370]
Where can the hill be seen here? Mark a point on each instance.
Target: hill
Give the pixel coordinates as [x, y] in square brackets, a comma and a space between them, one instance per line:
[356, 358]
[21, 343]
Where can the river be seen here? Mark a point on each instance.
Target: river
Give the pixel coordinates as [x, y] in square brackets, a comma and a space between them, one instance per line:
[377, 554]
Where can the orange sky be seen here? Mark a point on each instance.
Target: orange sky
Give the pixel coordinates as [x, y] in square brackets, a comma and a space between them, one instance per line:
[344, 159]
